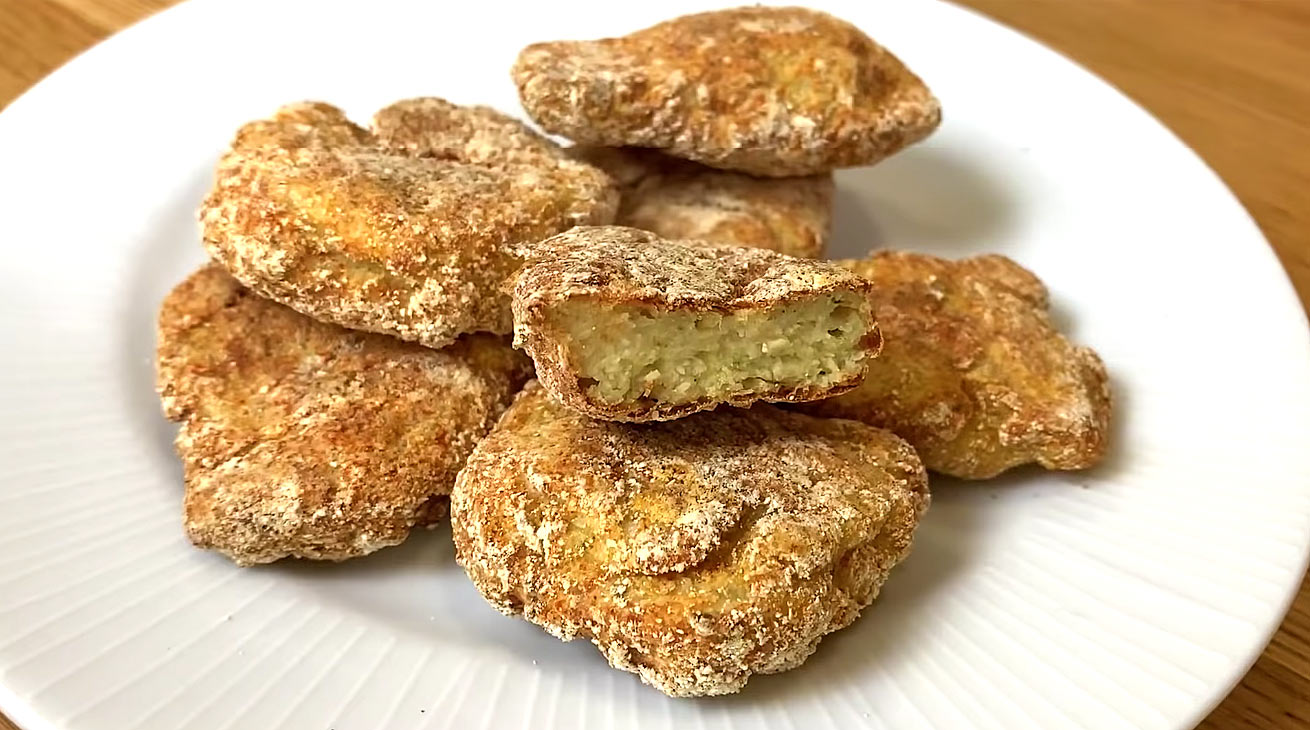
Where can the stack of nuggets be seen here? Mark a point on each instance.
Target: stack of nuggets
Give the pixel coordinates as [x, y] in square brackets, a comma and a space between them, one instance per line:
[301, 437]
[619, 499]
[642, 493]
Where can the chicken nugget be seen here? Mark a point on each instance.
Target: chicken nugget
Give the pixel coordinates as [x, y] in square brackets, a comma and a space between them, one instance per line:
[627, 326]
[305, 439]
[405, 230]
[480, 135]
[775, 92]
[694, 553]
[302, 125]
[973, 373]
[686, 200]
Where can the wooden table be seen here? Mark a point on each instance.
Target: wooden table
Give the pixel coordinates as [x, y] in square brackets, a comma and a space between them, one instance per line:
[1231, 77]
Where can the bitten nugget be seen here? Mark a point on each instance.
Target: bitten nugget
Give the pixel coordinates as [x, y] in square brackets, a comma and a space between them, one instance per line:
[973, 373]
[695, 553]
[404, 230]
[304, 439]
[688, 201]
[627, 326]
[769, 91]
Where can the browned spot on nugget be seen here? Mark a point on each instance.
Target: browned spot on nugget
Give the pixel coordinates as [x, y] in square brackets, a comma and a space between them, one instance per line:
[973, 373]
[767, 91]
[305, 439]
[695, 552]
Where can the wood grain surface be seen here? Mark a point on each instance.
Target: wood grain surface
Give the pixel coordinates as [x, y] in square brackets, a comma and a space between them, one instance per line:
[1231, 77]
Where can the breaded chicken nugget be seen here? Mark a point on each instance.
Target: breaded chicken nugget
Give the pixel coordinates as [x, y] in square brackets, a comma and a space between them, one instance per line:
[624, 325]
[304, 439]
[686, 200]
[695, 553]
[433, 127]
[973, 373]
[775, 92]
[404, 231]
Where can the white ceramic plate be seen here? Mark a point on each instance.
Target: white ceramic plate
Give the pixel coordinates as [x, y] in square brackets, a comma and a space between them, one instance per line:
[1133, 595]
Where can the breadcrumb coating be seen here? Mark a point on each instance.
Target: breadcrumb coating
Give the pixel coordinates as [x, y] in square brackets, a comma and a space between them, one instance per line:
[304, 439]
[405, 230]
[775, 92]
[694, 553]
[973, 372]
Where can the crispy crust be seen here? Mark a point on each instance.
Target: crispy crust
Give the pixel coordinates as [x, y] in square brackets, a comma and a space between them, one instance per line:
[626, 266]
[304, 439]
[688, 201]
[403, 231]
[974, 373]
[435, 128]
[694, 553]
[774, 92]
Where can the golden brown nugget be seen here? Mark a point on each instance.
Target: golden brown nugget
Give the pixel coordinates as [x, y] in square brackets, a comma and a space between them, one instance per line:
[686, 200]
[973, 373]
[404, 230]
[433, 127]
[624, 325]
[775, 92]
[305, 439]
[695, 553]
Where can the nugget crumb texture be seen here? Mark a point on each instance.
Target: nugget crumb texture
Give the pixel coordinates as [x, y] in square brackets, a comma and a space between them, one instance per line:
[625, 325]
[767, 91]
[973, 372]
[695, 553]
[402, 230]
[305, 439]
[685, 200]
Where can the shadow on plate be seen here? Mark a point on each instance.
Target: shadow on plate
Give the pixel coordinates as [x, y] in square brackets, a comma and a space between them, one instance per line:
[419, 587]
[944, 547]
[926, 198]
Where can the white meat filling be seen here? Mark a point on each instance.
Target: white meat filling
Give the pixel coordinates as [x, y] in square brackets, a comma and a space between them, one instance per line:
[627, 353]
